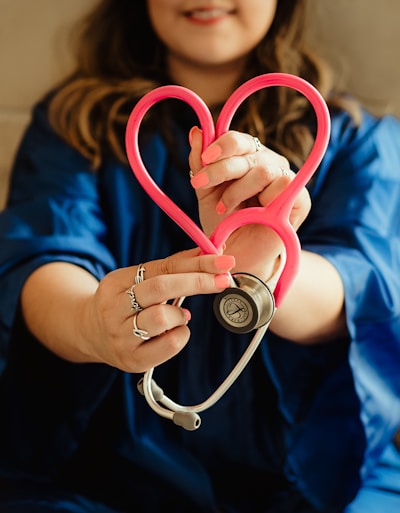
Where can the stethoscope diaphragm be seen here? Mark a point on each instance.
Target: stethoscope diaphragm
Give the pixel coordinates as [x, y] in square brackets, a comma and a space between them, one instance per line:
[246, 306]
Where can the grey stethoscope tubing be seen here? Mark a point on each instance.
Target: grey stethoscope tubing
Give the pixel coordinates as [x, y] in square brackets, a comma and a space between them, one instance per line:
[188, 416]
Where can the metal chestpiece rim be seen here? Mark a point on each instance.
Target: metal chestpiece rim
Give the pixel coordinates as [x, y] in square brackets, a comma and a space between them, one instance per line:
[247, 306]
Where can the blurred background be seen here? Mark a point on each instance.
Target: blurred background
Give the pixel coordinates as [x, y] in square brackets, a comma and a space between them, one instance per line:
[359, 38]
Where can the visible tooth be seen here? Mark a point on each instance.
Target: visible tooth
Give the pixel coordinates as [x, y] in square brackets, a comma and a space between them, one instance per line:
[207, 14]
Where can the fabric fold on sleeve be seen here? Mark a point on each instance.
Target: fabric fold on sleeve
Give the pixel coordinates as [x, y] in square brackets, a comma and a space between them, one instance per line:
[360, 235]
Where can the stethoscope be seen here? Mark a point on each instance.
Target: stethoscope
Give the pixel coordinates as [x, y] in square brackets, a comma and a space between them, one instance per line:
[249, 303]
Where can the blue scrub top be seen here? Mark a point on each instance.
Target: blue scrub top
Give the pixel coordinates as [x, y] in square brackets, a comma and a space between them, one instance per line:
[302, 422]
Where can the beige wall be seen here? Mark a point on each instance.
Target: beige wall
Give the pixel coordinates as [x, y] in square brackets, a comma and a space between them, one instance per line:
[359, 37]
[33, 54]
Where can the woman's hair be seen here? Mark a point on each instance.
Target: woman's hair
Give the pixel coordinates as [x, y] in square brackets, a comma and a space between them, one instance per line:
[119, 59]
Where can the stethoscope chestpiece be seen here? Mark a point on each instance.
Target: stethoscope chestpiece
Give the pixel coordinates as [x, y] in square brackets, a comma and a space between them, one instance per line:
[244, 307]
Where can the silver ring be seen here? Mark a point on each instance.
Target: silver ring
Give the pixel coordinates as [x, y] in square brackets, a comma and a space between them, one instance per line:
[140, 274]
[257, 143]
[285, 172]
[143, 334]
[135, 305]
[191, 174]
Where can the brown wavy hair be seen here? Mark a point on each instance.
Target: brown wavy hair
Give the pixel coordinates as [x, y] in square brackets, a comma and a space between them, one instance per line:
[119, 59]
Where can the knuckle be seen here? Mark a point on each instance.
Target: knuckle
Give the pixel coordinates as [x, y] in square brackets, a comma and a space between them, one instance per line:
[251, 160]
[226, 168]
[160, 317]
[167, 265]
[176, 339]
[160, 287]
[262, 176]
[202, 282]
[203, 263]
[232, 140]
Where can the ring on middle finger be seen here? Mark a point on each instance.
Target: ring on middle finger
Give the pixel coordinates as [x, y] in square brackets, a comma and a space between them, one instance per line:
[135, 307]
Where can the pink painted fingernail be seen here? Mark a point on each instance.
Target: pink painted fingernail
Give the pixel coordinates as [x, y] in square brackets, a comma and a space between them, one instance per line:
[187, 313]
[211, 154]
[199, 180]
[222, 281]
[220, 208]
[225, 262]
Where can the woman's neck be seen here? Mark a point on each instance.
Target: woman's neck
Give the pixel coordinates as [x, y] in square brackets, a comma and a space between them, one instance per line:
[213, 84]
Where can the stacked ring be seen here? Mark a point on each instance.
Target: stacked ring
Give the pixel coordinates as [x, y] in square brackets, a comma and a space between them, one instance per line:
[138, 279]
[143, 334]
[257, 143]
[135, 305]
[140, 274]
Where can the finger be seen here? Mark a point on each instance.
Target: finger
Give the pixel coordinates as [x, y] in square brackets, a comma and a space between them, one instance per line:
[265, 166]
[257, 180]
[301, 208]
[191, 261]
[132, 353]
[302, 203]
[268, 194]
[187, 261]
[183, 262]
[157, 350]
[229, 144]
[158, 319]
[162, 288]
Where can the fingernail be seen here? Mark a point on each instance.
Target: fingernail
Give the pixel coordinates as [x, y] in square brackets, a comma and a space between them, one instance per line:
[222, 281]
[220, 208]
[192, 130]
[211, 154]
[225, 262]
[187, 313]
[199, 180]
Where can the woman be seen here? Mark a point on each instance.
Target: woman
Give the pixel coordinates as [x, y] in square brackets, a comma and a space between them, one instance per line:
[307, 425]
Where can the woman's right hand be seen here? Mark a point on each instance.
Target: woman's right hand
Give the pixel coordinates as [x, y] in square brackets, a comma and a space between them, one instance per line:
[83, 320]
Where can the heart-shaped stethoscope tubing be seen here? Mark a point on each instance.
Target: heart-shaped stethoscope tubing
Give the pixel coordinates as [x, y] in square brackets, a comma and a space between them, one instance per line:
[274, 216]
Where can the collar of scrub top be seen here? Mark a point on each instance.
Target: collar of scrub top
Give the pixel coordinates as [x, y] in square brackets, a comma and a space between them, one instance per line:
[274, 216]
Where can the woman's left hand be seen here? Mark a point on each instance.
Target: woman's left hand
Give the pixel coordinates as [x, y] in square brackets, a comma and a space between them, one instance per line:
[239, 173]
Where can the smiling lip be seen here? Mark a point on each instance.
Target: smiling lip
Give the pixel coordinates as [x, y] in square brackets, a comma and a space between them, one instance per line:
[206, 16]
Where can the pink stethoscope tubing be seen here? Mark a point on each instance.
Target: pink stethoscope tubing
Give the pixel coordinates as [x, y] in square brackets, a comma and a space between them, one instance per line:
[276, 214]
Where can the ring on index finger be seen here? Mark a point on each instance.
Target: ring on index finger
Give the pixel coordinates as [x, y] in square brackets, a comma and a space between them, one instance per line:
[257, 143]
[140, 274]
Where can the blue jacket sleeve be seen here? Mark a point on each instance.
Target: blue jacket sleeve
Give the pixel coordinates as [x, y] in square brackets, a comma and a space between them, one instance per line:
[53, 213]
[355, 225]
